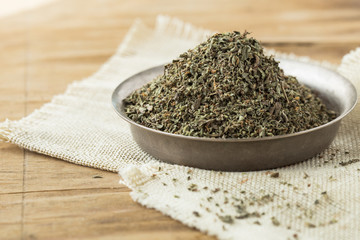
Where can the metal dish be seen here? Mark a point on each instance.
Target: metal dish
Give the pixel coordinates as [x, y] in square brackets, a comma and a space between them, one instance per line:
[245, 154]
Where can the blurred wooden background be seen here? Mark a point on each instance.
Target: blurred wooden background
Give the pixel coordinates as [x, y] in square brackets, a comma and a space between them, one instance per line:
[45, 49]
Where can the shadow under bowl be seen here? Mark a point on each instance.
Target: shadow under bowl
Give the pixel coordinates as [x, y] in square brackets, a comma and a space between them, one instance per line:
[251, 153]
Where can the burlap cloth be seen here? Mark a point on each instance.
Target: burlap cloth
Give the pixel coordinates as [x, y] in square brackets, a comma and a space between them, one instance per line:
[316, 199]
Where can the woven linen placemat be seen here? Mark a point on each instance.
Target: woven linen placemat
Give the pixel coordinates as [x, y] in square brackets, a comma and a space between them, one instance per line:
[316, 199]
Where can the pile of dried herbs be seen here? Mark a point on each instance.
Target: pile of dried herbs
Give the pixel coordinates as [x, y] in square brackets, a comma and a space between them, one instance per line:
[226, 87]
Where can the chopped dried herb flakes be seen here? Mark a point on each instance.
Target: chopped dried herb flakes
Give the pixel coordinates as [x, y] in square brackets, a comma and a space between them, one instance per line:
[275, 175]
[196, 214]
[216, 190]
[275, 222]
[355, 160]
[310, 225]
[193, 188]
[227, 219]
[226, 87]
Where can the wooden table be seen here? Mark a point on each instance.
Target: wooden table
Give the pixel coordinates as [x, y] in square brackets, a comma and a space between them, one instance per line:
[44, 50]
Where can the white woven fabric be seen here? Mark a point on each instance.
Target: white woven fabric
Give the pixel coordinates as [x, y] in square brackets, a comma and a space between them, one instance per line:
[316, 199]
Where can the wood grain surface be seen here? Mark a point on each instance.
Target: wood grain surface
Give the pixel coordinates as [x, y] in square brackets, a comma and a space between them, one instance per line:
[45, 49]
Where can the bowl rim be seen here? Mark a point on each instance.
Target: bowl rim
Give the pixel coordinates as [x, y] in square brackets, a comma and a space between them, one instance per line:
[123, 115]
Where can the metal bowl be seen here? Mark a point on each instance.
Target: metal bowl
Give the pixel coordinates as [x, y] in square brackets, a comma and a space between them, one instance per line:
[245, 154]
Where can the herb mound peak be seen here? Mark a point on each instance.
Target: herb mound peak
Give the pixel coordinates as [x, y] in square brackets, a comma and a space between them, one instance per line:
[226, 87]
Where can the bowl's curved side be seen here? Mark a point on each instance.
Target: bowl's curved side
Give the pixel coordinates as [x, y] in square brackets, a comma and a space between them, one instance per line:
[235, 156]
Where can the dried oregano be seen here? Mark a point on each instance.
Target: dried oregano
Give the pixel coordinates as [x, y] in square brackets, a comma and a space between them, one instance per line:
[226, 87]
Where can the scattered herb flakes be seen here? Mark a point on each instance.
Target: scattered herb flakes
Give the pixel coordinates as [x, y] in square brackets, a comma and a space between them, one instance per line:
[209, 199]
[275, 175]
[240, 209]
[196, 214]
[355, 160]
[193, 188]
[159, 168]
[227, 219]
[174, 180]
[242, 215]
[243, 192]
[176, 196]
[97, 176]
[333, 221]
[310, 225]
[245, 214]
[325, 195]
[347, 152]
[305, 175]
[317, 201]
[244, 180]
[188, 178]
[257, 223]
[205, 188]
[164, 184]
[216, 190]
[265, 199]
[275, 222]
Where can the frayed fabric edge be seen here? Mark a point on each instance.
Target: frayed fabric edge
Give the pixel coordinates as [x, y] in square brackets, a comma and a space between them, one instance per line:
[5, 131]
[350, 67]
